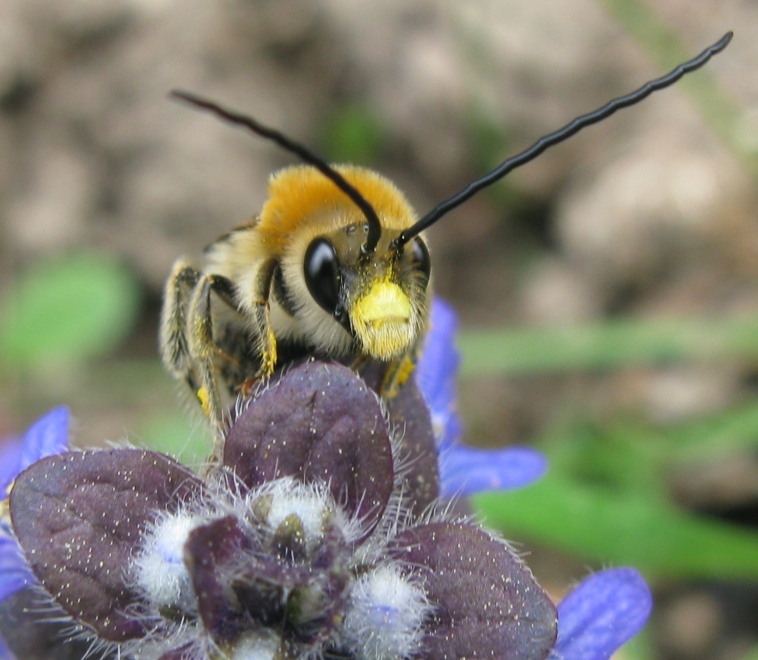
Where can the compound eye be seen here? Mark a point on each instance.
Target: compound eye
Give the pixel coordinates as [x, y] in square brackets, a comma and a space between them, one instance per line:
[322, 274]
[421, 257]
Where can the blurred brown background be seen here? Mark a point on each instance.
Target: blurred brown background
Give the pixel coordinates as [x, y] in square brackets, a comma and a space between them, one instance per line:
[650, 213]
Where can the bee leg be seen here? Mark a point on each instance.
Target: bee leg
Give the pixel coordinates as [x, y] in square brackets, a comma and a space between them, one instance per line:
[264, 340]
[397, 373]
[259, 311]
[358, 363]
[173, 331]
[202, 345]
[173, 336]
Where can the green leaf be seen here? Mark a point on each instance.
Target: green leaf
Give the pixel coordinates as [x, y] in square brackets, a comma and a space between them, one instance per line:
[612, 344]
[353, 134]
[67, 310]
[621, 528]
[617, 455]
[752, 654]
[720, 435]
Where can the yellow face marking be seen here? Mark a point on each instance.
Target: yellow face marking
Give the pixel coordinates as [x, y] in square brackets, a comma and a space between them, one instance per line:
[385, 302]
[382, 321]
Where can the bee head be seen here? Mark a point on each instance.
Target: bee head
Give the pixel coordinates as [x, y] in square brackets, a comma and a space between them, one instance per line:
[380, 300]
[378, 297]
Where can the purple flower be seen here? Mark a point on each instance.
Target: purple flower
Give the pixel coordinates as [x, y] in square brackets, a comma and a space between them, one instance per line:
[304, 541]
[47, 436]
[301, 543]
[464, 470]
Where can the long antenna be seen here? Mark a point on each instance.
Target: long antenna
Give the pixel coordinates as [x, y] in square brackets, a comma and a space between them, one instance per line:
[559, 136]
[307, 156]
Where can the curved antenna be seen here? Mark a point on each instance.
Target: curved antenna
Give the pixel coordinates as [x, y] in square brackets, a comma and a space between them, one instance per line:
[558, 136]
[307, 156]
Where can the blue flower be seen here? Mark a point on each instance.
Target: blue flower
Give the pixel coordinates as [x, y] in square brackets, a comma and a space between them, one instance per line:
[47, 436]
[5, 652]
[606, 609]
[464, 470]
[601, 614]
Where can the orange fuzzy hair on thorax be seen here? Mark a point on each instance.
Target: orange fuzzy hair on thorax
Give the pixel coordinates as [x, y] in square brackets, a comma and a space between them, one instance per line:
[301, 193]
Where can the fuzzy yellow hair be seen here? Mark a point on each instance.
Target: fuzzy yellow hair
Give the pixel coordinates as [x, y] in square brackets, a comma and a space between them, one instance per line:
[300, 193]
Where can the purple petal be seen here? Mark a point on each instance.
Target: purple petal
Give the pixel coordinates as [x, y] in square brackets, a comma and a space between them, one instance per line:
[408, 411]
[468, 470]
[210, 554]
[410, 417]
[437, 370]
[319, 422]
[601, 614]
[78, 516]
[47, 436]
[484, 596]
[14, 571]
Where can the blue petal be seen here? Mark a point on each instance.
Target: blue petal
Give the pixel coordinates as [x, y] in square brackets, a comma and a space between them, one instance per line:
[467, 470]
[14, 571]
[5, 652]
[464, 470]
[601, 614]
[47, 436]
[437, 370]
[10, 463]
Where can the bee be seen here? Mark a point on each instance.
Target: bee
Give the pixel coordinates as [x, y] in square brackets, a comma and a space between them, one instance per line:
[335, 265]
[309, 275]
